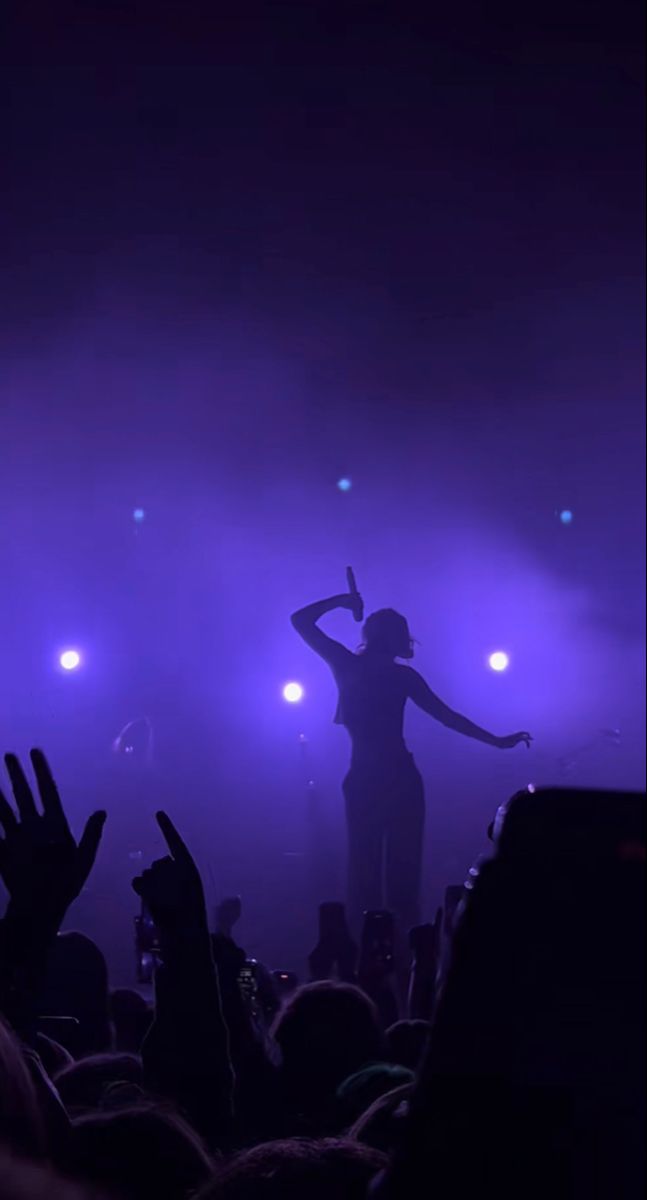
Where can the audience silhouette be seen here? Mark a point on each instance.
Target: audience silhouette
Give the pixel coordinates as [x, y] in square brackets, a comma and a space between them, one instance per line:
[525, 1076]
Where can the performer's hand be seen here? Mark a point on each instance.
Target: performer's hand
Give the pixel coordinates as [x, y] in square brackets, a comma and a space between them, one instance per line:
[354, 603]
[514, 739]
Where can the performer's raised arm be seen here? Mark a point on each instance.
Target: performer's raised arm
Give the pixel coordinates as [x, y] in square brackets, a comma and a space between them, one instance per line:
[305, 621]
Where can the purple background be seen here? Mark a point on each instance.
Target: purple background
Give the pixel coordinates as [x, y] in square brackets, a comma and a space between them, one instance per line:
[245, 253]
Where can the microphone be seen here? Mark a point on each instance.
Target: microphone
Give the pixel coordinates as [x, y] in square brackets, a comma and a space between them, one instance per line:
[358, 610]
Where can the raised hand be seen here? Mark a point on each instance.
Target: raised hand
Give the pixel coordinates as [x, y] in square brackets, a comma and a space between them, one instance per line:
[186, 1051]
[357, 607]
[41, 865]
[172, 888]
[353, 602]
[514, 739]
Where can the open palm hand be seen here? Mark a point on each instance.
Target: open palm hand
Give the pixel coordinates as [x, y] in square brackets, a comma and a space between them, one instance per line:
[42, 866]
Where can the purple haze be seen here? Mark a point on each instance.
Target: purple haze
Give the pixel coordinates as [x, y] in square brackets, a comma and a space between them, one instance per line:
[398, 255]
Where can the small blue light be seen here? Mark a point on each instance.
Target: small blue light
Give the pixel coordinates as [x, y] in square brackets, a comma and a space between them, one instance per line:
[138, 515]
[344, 484]
[566, 516]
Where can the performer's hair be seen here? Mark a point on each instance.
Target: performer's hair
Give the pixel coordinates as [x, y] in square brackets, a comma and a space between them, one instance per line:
[388, 631]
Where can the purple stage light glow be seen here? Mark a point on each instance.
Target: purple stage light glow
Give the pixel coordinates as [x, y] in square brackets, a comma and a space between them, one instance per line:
[499, 661]
[70, 660]
[344, 484]
[293, 693]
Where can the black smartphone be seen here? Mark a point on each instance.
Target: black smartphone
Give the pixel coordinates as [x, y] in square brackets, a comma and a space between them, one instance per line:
[378, 939]
[422, 940]
[571, 827]
[64, 1030]
[286, 982]
[248, 981]
[147, 946]
[147, 929]
[332, 921]
[559, 908]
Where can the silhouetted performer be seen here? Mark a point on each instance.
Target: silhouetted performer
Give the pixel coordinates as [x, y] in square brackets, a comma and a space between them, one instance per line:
[383, 789]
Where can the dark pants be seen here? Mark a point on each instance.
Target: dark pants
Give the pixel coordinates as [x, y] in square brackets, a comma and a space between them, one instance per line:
[385, 814]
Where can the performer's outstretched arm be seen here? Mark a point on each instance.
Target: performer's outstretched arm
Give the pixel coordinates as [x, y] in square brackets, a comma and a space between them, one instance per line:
[305, 623]
[422, 695]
